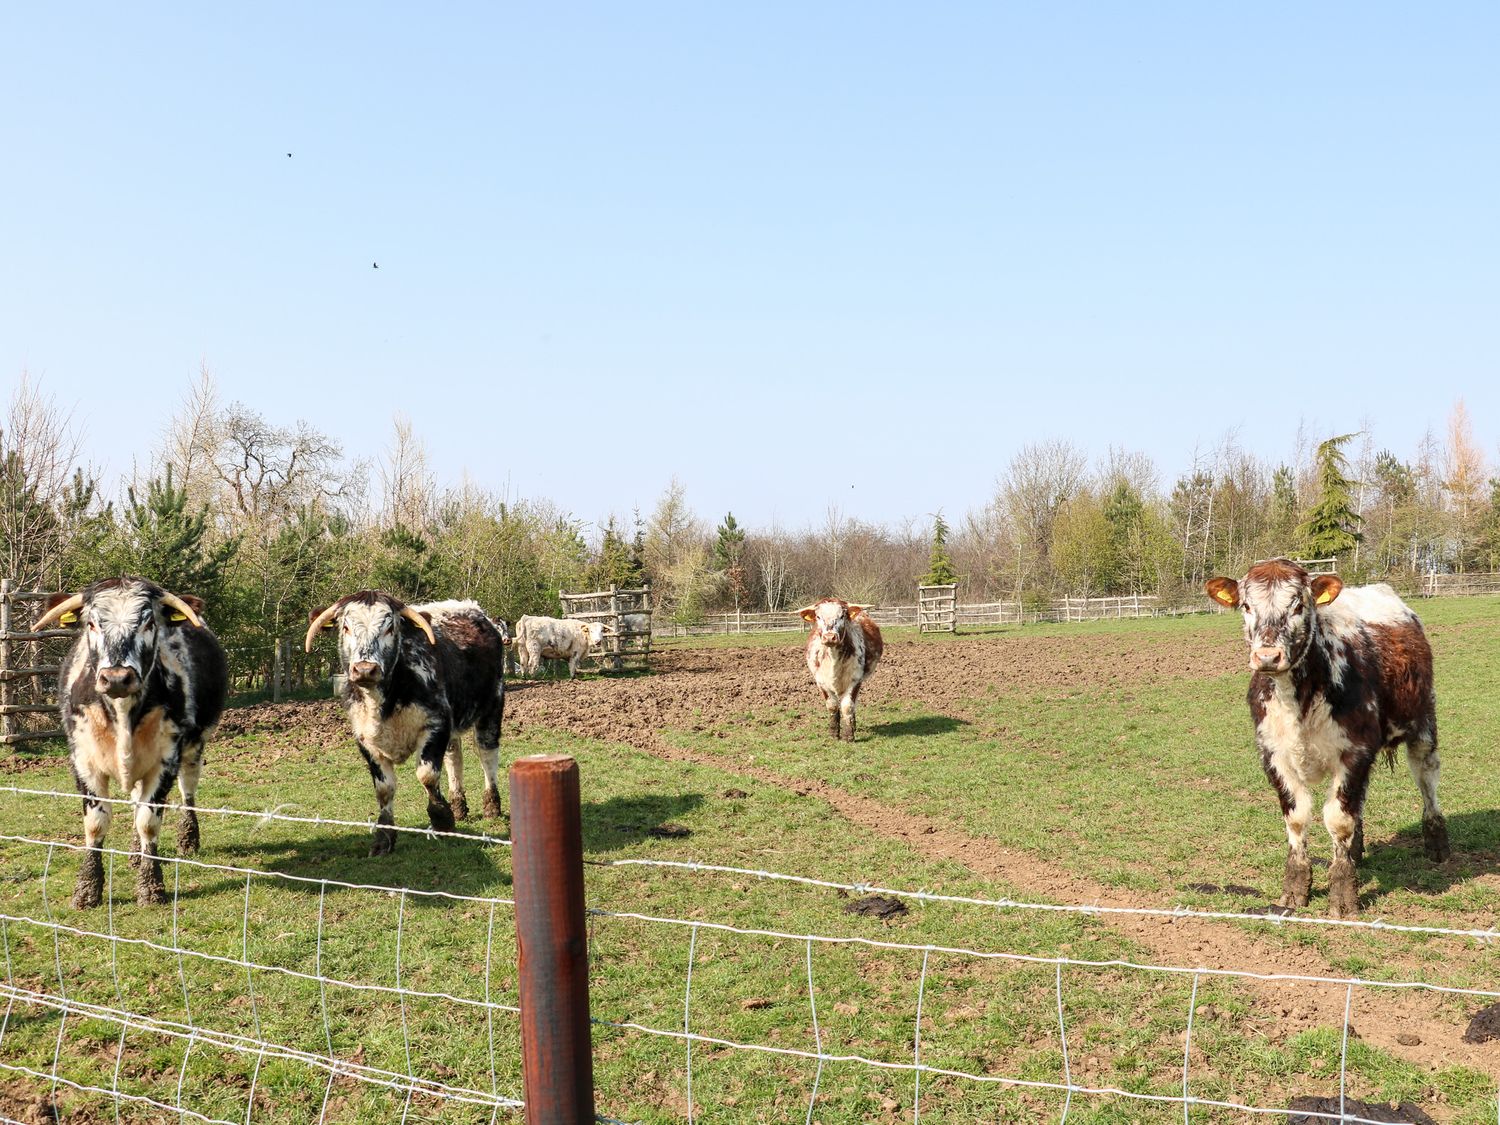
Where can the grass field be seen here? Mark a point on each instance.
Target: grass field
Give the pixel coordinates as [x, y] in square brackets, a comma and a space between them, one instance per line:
[1106, 763]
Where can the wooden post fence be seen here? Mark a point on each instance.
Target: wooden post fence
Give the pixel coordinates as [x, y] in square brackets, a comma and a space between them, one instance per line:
[557, 1064]
[15, 634]
[937, 608]
[628, 615]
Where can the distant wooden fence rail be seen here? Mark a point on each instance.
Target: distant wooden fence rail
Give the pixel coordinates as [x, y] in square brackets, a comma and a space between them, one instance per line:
[628, 615]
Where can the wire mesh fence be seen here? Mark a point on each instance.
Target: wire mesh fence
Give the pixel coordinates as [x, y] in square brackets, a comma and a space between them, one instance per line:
[262, 994]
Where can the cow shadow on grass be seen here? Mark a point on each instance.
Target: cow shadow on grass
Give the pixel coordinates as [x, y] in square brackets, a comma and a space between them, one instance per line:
[620, 822]
[1399, 864]
[922, 724]
[419, 862]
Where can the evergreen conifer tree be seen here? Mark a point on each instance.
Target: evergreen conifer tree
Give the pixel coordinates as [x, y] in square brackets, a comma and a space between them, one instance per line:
[1332, 527]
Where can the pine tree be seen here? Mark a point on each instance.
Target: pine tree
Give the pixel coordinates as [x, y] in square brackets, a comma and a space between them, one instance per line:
[940, 570]
[161, 539]
[1332, 527]
[729, 551]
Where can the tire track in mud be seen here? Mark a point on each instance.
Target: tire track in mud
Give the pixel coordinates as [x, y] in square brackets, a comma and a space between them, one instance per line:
[695, 689]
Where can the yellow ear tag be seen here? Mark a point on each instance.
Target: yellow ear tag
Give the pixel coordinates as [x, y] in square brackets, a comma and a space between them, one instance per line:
[69, 618]
[1223, 597]
[175, 616]
[1325, 597]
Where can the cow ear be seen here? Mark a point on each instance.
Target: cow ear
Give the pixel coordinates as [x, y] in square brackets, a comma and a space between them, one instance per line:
[808, 612]
[1326, 587]
[1225, 591]
[192, 601]
[853, 609]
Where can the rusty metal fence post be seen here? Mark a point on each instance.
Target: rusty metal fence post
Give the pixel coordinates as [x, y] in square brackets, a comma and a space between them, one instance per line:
[551, 940]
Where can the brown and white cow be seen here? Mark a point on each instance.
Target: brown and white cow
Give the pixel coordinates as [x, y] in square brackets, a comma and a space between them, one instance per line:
[1339, 674]
[842, 650]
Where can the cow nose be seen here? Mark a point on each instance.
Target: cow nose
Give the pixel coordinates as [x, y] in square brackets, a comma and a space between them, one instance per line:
[117, 681]
[1266, 658]
[364, 670]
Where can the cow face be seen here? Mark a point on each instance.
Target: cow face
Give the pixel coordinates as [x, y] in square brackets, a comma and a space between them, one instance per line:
[596, 633]
[1279, 604]
[123, 620]
[369, 633]
[831, 620]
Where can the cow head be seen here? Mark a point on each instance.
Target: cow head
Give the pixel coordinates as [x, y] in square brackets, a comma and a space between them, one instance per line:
[831, 619]
[1279, 602]
[596, 631]
[123, 620]
[369, 631]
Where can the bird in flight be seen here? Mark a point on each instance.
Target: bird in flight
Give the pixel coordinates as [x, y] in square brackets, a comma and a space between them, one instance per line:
[288, 156]
[374, 265]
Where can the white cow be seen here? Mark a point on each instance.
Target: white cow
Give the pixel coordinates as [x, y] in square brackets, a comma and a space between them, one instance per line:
[549, 638]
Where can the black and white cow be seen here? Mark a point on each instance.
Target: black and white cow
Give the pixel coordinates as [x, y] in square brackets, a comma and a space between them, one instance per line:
[141, 690]
[1339, 674]
[412, 679]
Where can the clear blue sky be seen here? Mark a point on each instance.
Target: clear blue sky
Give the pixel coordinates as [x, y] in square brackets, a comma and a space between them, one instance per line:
[756, 234]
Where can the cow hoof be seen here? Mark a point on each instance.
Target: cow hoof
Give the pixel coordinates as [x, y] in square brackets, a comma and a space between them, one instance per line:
[1343, 890]
[492, 804]
[441, 816]
[87, 895]
[1435, 839]
[187, 836]
[383, 842]
[1296, 884]
[150, 892]
[460, 806]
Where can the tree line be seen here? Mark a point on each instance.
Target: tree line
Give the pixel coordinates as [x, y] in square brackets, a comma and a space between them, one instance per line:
[266, 521]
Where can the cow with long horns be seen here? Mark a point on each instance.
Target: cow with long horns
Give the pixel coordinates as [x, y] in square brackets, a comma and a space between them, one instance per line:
[141, 690]
[843, 648]
[412, 678]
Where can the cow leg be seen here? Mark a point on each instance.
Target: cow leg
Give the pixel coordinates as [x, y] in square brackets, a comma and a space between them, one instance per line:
[187, 781]
[149, 793]
[846, 711]
[90, 889]
[1341, 816]
[453, 766]
[429, 765]
[1296, 881]
[383, 774]
[831, 702]
[1422, 760]
[487, 735]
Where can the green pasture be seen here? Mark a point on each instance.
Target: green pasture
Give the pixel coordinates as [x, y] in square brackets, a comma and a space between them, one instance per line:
[1147, 790]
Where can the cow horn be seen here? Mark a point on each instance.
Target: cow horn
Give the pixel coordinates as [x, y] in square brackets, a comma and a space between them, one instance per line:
[56, 612]
[174, 602]
[318, 622]
[419, 621]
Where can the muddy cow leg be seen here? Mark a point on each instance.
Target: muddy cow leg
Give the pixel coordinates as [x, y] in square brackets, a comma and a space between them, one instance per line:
[149, 795]
[1296, 881]
[487, 735]
[831, 702]
[846, 713]
[96, 813]
[453, 766]
[429, 766]
[187, 781]
[1341, 816]
[1422, 760]
[383, 774]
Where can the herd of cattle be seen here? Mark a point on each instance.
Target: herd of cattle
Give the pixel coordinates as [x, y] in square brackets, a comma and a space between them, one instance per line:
[1339, 675]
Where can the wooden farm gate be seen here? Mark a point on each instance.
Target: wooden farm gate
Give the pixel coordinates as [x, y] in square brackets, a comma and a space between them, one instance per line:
[627, 613]
[29, 664]
[937, 608]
